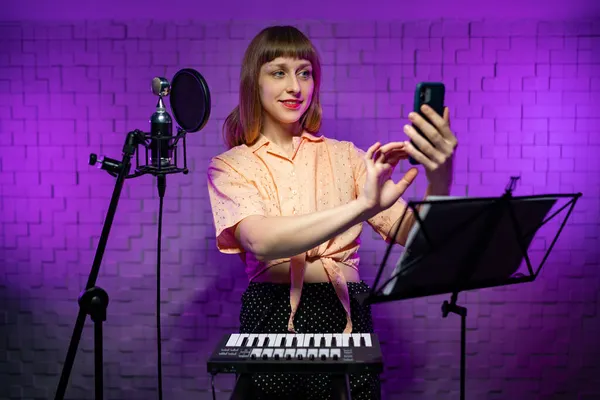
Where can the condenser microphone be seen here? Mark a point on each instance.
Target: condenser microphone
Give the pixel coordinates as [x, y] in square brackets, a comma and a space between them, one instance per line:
[161, 133]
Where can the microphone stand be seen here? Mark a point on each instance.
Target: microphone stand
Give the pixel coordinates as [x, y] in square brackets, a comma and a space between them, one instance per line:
[93, 301]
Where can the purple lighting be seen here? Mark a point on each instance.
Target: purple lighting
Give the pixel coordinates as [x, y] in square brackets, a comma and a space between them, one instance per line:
[523, 90]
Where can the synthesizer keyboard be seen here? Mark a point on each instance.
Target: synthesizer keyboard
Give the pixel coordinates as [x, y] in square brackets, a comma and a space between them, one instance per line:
[334, 353]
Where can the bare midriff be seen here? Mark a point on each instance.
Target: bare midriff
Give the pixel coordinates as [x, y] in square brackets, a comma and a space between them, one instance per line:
[314, 272]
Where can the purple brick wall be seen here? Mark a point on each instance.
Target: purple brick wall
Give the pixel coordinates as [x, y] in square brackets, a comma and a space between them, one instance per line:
[523, 96]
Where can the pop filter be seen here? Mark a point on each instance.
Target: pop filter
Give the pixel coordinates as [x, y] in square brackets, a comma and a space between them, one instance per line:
[190, 100]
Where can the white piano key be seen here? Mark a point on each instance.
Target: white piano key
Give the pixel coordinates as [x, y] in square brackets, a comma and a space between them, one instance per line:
[272, 338]
[289, 339]
[367, 338]
[279, 352]
[307, 337]
[232, 340]
[334, 352]
[299, 339]
[345, 339]
[356, 339]
[290, 352]
[338, 339]
[256, 352]
[279, 339]
[318, 337]
[261, 339]
[251, 338]
[328, 338]
[268, 352]
[324, 352]
[241, 339]
[301, 352]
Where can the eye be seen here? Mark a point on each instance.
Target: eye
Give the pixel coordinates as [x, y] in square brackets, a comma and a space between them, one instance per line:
[306, 74]
[278, 74]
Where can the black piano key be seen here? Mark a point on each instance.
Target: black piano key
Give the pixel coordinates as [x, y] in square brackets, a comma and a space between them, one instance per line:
[322, 341]
[244, 342]
[294, 342]
[311, 342]
[362, 341]
[333, 342]
[255, 342]
[283, 342]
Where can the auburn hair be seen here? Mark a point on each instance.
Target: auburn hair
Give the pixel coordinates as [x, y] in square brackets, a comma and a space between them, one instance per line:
[243, 125]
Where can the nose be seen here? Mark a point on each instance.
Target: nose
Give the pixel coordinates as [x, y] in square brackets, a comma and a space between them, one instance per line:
[293, 85]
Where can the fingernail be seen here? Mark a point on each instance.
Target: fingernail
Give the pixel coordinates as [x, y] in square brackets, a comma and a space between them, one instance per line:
[411, 116]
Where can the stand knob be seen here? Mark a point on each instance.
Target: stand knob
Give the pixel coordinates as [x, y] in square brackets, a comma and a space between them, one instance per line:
[94, 301]
[93, 159]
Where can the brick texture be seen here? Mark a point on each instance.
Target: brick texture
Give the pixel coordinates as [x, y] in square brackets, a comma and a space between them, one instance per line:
[523, 98]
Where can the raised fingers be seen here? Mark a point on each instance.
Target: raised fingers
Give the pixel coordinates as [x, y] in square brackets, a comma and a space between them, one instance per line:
[420, 157]
[440, 122]
[424, 146]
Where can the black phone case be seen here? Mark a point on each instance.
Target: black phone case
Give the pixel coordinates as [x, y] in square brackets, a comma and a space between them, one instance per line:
[438, 92]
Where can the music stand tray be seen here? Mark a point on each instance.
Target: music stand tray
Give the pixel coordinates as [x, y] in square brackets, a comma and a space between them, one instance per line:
[461, 243]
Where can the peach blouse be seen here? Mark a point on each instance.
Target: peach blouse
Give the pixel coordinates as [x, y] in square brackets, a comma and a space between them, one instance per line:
[262, 180]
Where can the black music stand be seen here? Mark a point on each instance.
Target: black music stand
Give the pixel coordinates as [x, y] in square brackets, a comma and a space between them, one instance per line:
[467, 244]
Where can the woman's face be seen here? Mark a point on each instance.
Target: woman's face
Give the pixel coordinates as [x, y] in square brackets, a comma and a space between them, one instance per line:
[286, 87]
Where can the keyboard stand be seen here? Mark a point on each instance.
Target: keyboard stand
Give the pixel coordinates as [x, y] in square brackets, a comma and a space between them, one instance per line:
[341, 387]
[243, 386]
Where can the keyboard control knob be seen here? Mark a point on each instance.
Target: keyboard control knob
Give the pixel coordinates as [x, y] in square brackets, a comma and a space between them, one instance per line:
[265, 357]
[253, 356]
[312, 357]
[288, 357]
[323, 357]
[335, 357]
[276, 356]
[300, 357]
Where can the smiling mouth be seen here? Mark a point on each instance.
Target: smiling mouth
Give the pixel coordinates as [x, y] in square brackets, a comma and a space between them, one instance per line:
[292, 104]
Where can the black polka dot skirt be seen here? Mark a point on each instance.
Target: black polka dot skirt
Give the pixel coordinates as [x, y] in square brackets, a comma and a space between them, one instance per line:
[266, 309]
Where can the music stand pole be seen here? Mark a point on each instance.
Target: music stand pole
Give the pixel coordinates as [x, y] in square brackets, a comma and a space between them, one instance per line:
[93, 301]
[486, 235]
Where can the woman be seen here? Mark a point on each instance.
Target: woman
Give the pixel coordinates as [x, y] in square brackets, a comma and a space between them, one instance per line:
[291, 203]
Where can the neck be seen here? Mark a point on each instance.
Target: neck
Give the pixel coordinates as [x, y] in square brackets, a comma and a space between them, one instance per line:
[280, 134]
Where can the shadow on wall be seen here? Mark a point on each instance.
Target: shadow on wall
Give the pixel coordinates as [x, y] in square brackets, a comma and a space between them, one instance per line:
[210, 311]
[18, 360]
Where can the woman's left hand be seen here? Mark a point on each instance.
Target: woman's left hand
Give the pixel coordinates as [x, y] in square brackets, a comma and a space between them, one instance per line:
[437, 158]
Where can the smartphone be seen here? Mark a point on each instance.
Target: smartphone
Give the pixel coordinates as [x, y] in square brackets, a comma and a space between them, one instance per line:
[432, 94]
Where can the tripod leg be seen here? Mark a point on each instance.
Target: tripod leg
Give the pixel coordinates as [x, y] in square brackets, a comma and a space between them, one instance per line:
[98, 359]
[463, 345]
[71, 353]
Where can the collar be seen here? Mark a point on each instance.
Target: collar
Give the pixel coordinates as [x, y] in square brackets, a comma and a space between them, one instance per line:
[264, 141]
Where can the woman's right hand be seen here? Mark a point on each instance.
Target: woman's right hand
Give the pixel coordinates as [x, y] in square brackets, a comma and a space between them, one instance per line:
[380, 192]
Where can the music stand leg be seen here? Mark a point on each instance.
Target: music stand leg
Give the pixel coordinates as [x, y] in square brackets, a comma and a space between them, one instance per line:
[341, 387]
[452, 307]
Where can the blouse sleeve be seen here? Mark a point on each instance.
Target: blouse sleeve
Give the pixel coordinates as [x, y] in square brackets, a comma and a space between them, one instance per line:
[232, 198]
[383, 222]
